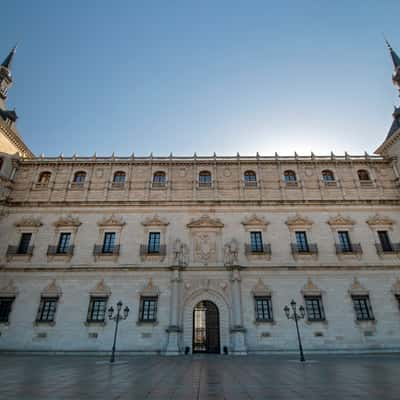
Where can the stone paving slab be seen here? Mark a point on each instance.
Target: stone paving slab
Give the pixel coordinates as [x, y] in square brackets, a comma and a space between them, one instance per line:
[200, 377]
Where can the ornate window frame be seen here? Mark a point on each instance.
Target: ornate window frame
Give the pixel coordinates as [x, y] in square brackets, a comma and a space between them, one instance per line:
[51, 291]
[377, 223]
[150, 291]
[255, 223]
[101, 290]
[64, 224]
[358, 290]
[260, 290]
[9, 291]
[154, 224]
[27, 224]
[310, 289]
[111, 223]
[298, 223]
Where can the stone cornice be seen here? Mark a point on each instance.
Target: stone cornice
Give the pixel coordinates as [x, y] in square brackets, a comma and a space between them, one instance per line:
[16, 140]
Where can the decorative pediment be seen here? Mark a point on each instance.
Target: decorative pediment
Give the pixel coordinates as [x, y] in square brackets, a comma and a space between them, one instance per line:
[69, 220]
[52, 290]
[310, 288]
[205, 221]
[357, 289]
[150, 289]
[255, 221]
[29, 222]
[396, 288]
[379, 220]
[298, 220]
[112, 220]
[101, 289]
[9, 290]
[340, 220]
[260, 289]
[155, 220]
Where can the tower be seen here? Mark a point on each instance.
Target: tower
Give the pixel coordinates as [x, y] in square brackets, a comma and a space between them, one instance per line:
[391, 145]
[10, 140]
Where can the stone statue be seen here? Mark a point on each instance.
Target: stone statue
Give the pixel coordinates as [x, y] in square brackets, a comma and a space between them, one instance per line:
[180, 253]
[231, 253]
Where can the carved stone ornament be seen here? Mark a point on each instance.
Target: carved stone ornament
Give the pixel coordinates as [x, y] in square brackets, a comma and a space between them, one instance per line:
[379, 220]
[9, 290]
[69, 220]
[52, 290]
[310, 288]
[298, 220]
[255, 221]
[260, 289]
[155, 221]
[205, 247]
[205, 221]
[357, 289]
[112, 220]
[29, 222]
[101, 289]
[396, 287]
[150, 289]
[340, 220]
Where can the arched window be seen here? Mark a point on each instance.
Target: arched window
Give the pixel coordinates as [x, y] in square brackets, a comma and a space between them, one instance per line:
[159, 178]
[363, 175]
[327, 175]
[290, 176]
[119, 177]
[80, 177]
[250, 177]
[205, 178]
[44, 178]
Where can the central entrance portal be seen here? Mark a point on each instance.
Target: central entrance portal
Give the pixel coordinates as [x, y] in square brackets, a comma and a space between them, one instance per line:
[206, 328]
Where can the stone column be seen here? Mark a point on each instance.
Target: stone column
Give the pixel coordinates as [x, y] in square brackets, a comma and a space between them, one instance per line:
[173, 330]
[237, 330]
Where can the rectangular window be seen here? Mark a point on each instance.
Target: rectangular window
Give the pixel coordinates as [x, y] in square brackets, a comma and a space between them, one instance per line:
[362, 308]
[301, 241]
[263, 308]
[5, 308]
[344, 241]
[314, 308]
[385, 241]
[154, 242]
[63, 242]
[97, 309]
[47, 309]
[109, 242]
[148, 309]
[256, 242]
[23, 246]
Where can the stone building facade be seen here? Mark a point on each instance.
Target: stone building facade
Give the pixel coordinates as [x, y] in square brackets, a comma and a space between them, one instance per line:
[205, 251]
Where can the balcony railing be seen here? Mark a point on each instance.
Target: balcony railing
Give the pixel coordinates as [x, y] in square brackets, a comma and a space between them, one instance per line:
[159, 185]
[392, 249]
[206, 185]
[250, 184]
[145, 250]
[60, 251]
[351, 248]
[101, 250]
[117, 185]
[17, 251]
[77, 185]
[264, 250]
[310, 248]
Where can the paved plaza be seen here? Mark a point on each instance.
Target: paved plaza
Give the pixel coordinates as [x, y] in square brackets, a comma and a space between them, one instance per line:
[200, 377]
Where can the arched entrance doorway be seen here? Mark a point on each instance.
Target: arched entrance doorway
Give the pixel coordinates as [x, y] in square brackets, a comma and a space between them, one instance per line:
[206, 328]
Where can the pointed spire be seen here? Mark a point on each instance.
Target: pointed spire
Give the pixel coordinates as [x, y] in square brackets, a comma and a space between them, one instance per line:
[395, 57]
[8, 60]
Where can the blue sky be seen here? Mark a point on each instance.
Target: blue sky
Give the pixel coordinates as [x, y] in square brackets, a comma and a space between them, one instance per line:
[186, 76]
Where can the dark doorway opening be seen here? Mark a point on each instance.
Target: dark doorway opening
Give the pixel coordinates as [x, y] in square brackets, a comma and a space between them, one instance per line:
[206, 328]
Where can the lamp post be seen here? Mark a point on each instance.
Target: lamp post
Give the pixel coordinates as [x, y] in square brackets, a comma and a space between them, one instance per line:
[295, 316]
[117, 317]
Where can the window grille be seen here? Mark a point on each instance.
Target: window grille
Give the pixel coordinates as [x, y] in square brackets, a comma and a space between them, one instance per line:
[47, 309]
[108, 242]
[154, 242]
[263, 308]
[5, 308]
[314, 308]
[256, 242]
[148, 309]
[97, 309]
[362, 308]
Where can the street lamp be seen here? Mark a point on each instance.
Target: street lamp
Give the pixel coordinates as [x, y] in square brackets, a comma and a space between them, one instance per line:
[295, 316]
[117, 317]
